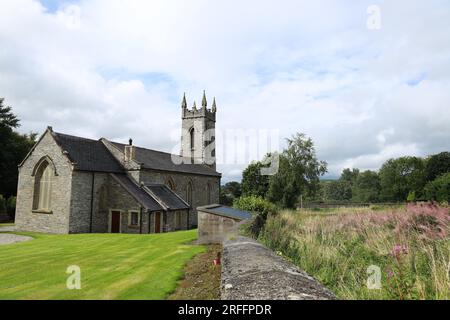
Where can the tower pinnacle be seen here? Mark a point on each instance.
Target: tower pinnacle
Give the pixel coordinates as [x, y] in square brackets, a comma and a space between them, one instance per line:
[184, 103]
[214, 107]
[204, 102]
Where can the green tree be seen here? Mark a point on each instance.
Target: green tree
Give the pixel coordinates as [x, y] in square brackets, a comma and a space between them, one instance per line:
[349, 176]
[437, 165]
[260, 209]
[367, 187]
[7, 118]
[339, 190]
[13, 148]
[229, 192]
[2, 205]
[11, 207]
[298, 173]
[398, 177]
[253, 182]
[438, 189]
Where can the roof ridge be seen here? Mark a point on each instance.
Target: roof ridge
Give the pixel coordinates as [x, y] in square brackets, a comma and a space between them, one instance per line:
[72, 136]
[154, 150]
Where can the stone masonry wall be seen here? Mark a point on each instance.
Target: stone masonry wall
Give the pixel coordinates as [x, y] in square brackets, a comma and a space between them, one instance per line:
[58, 220]
[250, 271]
[80, 217]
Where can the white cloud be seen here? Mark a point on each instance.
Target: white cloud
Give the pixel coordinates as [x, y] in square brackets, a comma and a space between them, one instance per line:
[118, 69]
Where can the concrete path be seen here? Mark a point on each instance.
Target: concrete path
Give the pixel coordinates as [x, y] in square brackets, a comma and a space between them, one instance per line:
[9, 238]
[251, 271]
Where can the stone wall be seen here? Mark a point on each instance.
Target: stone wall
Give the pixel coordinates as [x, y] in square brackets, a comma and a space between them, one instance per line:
[58, 220]
[80, 217]
[250, 271]
[215, 229]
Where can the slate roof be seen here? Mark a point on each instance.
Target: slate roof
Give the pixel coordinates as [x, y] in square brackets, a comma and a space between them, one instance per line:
[87, 154]
[146, 200]
[166, 197]
[93, 155]
[157, 160]
[225, 211]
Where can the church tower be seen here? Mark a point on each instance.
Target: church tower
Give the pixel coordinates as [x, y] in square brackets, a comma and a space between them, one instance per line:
[198, 132]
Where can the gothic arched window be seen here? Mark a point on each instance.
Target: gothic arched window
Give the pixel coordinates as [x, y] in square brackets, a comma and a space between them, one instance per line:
[192, 143]
[43, 183]
[171, 184]
[192, 138]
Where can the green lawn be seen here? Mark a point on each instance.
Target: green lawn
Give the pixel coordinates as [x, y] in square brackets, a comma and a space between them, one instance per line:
[118, 266]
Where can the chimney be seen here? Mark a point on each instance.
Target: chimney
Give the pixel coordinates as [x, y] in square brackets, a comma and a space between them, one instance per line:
[130, 151]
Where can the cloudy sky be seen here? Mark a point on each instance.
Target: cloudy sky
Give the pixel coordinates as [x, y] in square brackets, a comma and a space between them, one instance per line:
[364, 89]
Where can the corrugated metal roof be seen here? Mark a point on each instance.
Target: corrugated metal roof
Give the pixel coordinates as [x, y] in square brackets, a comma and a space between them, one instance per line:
[225, 211]
[166, 197]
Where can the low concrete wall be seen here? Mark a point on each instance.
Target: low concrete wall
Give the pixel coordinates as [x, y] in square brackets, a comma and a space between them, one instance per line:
[214, 228]
[251, 271]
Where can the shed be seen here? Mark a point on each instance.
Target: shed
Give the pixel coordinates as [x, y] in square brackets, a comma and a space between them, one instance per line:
[217, 223]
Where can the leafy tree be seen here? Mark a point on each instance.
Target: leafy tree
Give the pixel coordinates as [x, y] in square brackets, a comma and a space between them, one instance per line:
[298, 173]
[437, 165]
[11, 207]
[400, 176]
[260, 209]
[339, 190]
[367, 187]
[13, 148]
[2, 205]
[229, 192]
[349, 176]
[438, 189]
[253, 182]
[7, 118]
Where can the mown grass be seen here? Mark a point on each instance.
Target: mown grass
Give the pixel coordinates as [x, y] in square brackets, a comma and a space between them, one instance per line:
[119, 266]
[411, 248]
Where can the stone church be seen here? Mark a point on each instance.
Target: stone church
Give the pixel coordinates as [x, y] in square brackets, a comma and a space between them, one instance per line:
[69, 184]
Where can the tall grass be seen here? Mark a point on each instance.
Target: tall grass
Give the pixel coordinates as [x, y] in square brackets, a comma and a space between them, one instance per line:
[410, 245]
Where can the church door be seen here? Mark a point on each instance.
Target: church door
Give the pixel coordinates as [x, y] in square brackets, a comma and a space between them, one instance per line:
[158, 222]
[115, 222]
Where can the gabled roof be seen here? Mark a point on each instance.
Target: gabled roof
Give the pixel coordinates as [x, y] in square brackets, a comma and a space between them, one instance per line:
[154, 197]
[87, 154]
[137, 192]
[157, 160]
[166, 197]
[92, 155]
[225, 211]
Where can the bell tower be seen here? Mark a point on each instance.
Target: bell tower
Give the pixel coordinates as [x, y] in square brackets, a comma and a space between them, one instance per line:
[198, 132]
